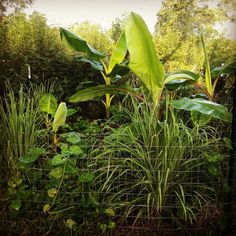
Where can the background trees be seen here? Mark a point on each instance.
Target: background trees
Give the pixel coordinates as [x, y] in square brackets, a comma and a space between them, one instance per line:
[177, 34]
[13, 4]
[29, 41]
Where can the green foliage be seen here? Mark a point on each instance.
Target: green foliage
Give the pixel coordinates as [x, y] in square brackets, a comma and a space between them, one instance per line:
[48, 104]
[143, 59]
[143, 168]
[33, 154]
[20, 119]
[94, 35]
[117, 27]
[79, 44]
[13, 4]
[60, 117]
[30, 41]
[183, 21]
[205, 107]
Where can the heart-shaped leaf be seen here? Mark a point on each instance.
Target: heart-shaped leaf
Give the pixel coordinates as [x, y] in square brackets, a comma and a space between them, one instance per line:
[48, 104]
[86, 177]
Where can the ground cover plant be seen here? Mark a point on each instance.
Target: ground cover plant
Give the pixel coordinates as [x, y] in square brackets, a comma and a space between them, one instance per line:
[156, 164]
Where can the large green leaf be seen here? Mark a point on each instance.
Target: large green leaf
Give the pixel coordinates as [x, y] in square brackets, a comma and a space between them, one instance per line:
[226, 69]
[72, 137]
[205, 107]
[208, 69]
[94, 63]
[60, 117]
[33, 154]
[119, 52]
[86, 177]
[118, 69]
[144, 61]
[78, 44]
[182, 74]
[97, 91]
[180, 78]
[48, 103]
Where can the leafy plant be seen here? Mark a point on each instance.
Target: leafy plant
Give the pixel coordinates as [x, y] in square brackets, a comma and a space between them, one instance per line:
[20, 120]
[48, 104]
[95, 58]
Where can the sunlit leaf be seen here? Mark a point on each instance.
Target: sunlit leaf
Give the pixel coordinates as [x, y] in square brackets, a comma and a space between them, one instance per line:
[208, 81]
[60, 117]
[78, 44]
[48, 104]
[46, 208]
[58, 160]
[119, 52]
[109, 212]
[143, 58]
[205, 107]
[70, 223]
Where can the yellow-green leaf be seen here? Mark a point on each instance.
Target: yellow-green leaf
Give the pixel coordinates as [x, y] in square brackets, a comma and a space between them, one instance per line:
[119, 52]
[60, 116]
[109, 212]
[70, 223]
[46, 208]
[144, 61]
[52, 192]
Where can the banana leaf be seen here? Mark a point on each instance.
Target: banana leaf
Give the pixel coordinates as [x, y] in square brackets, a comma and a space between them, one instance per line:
[60, 116]
[78, 44]
[144, 61]
[226, 69]
[203, 106]
[94, 63]
[48, 103]
[180, 78]
[97, 91]
[208, 81]
[119, 53]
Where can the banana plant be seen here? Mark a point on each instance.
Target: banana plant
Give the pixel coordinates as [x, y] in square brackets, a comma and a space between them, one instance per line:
[201, 109]
[97, 60]
[143, 62]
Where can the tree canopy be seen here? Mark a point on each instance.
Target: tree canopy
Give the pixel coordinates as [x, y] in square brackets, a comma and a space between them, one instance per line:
[178, 29]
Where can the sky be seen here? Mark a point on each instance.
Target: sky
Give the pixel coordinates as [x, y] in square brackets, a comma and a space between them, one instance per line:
[65, 12]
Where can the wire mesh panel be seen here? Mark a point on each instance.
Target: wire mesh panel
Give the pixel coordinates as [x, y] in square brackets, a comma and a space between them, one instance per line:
[116, 194]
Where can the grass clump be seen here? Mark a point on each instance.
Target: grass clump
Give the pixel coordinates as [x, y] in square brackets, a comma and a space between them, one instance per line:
[151, 171]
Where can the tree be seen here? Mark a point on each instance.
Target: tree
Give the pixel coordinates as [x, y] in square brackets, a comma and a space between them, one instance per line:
[30, 41]
[13, 4]
[117, 27]
[229, 7]
[178, 29]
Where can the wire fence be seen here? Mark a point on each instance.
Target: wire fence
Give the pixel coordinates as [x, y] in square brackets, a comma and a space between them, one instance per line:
[116, 196]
